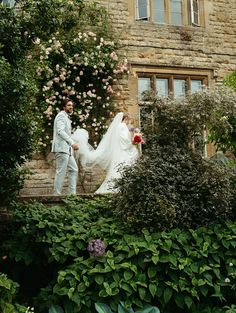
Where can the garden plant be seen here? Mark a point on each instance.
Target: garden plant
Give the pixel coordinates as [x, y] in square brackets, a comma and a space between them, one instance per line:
[166, 242]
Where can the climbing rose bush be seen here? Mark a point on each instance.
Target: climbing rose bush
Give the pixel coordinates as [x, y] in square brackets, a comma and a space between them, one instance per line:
[82, 67]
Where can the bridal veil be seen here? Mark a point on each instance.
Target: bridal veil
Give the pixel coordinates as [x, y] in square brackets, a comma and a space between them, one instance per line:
[107, 150]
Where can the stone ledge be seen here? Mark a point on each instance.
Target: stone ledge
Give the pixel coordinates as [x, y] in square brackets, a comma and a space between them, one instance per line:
[50, 199]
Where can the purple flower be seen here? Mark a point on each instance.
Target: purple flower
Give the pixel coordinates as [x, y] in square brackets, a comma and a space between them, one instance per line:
[96, 247]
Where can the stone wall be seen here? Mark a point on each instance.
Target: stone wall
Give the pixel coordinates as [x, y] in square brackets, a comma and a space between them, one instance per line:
[41, 176]
[210, 48]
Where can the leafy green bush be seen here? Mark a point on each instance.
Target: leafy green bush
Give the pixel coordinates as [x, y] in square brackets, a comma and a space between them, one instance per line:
[161, 268]
[230, 80]
[71, 48]
[8, 290]
[16, 128]
[172, 187]
[80, 65]
[177, 271]
[47, 53]
[180, 121]
[103, 308]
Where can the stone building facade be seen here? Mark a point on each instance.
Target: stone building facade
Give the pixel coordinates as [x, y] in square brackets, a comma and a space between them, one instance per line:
[173, 47]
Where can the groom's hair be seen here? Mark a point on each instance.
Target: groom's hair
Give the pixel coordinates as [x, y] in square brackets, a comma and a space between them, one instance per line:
[64, 102]
[125, 115]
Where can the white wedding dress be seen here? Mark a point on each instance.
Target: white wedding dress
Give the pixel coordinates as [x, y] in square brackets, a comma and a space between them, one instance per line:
[114, 151]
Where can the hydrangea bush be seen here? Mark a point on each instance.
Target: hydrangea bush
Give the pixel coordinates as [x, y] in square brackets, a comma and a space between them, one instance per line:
[96, 247]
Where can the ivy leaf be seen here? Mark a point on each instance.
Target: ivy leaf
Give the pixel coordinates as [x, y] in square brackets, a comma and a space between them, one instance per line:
[155, 259]
[153, 289]
[179, 300]
[188, 301]
[128, 275]
[167, 294]
[152, 271]
[142, 292]
[55, 309]
[102, 308]
[99, 279]
[123, 309]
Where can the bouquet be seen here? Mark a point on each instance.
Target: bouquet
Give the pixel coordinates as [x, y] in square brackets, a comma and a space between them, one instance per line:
[137, 137]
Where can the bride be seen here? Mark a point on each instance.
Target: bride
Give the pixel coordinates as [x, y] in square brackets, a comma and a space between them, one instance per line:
[114, 151]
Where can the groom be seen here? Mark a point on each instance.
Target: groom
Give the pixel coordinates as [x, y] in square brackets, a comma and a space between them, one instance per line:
[63, 146]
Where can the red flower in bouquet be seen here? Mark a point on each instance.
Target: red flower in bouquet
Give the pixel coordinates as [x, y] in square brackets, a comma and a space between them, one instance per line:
[137, 138]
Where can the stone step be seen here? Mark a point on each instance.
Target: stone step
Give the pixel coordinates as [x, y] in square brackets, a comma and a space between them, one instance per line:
[51, 199]
[41, 178]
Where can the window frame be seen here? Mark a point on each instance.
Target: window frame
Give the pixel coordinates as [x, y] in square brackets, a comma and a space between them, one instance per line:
[195, 23]
[138, 18]
[153, 72]
[171, 78]
[187, 13]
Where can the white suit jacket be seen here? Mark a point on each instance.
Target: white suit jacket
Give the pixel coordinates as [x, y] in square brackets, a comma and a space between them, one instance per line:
[62, 140]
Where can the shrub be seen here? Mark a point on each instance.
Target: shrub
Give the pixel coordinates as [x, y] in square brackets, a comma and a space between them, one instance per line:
[81, 65]
[16, 128]
[103, 308]
[180, 121]
[30, 56]
[230, 80]
[8, 290]
[177, 271]
[172, 187]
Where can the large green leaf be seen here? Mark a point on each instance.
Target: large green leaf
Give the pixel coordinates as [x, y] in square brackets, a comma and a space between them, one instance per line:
[167, 295]
[102, 308]
[153, 289]
[151, 309]
[55, 309]
[128, 275]
[123, 309]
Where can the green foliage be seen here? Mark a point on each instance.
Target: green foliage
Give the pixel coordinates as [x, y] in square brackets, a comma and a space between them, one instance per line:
[16, 128]
[230, 80]
[55, 309]
[231, 309]
[8, 290]
[168, 190]
[71, 227]
[180, 121]
[162, 267]
[12, 42]
[172, 185]
[103, 308]
[81, 66]
[76, 60]
[177, 271]
[45, 17]
[29, 60]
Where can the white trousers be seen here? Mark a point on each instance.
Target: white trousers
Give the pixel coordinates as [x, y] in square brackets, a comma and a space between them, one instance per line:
[65, 162]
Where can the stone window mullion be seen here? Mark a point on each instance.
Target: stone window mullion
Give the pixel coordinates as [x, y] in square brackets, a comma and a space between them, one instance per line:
[168, 15]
